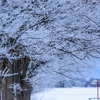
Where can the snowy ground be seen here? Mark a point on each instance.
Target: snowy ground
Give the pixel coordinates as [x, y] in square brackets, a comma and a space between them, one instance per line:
[66, 94]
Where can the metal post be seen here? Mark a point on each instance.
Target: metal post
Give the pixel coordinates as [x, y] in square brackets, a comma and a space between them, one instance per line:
[97, 83]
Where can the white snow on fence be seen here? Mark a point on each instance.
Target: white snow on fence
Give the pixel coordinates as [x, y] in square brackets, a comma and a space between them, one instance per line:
[66, 94]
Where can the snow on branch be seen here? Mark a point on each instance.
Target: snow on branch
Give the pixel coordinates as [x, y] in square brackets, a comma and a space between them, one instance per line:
[16, 88]
[92, 20]
[5, 73]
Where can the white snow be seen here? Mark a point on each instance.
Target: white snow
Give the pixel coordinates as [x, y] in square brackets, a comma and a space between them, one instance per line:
[75, 93]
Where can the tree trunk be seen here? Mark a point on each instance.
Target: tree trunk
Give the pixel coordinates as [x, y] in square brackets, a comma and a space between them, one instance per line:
[18, 66]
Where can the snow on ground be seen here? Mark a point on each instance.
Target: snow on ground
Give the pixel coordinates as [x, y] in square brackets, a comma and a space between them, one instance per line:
[66, 94]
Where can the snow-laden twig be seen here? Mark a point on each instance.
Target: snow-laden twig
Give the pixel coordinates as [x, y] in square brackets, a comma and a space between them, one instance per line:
[92, 20]
[16, 88]
[5, 73]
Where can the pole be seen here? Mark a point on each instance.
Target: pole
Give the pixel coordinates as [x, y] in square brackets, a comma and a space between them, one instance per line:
[97, 83]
